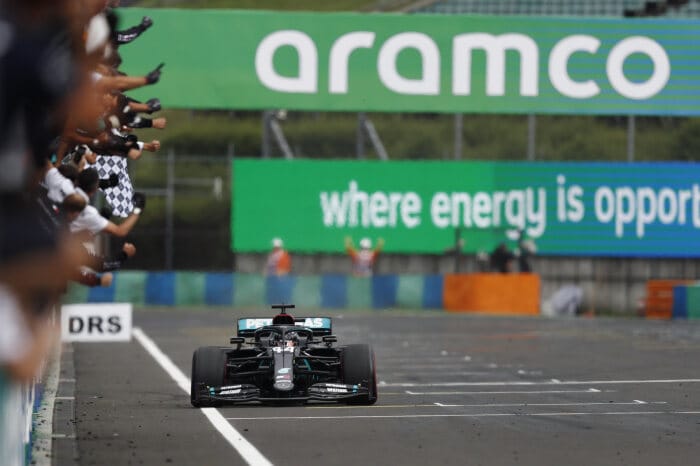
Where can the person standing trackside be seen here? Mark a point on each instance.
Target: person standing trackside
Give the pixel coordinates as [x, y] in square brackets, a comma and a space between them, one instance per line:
[526, 249]
[502, 259]
[278, 261]
[364, 259]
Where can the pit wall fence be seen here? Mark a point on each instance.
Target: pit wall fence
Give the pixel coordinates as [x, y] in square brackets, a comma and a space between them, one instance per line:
[482, 292]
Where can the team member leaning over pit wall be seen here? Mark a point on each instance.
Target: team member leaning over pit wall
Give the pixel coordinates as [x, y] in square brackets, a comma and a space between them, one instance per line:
[49, 49]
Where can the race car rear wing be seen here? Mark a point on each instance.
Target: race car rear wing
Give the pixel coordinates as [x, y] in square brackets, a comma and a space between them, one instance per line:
[320, 326]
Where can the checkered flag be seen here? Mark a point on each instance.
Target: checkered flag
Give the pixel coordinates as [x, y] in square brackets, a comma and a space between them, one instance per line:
[119, 197]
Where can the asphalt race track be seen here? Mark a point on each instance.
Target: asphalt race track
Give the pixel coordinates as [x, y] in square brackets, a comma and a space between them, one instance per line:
[454, 390]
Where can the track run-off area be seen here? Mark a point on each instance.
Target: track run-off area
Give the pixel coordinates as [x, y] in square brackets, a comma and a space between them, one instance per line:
[453, 389]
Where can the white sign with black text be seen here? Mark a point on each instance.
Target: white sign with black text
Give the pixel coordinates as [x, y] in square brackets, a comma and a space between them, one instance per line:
[96, 322]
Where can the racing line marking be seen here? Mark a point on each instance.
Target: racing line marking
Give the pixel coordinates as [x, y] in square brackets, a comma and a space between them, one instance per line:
[488, 405]
[371, 407]
[415, 416]
[528, 383]
[525, 405]
[399, 375]
[512, 392]
[247, 451]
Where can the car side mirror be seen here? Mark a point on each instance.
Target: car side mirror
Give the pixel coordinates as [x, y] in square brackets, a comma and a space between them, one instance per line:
[329, 339]
[237, 341]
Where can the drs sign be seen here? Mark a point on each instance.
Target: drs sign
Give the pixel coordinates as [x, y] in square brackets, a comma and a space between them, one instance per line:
[96, 322]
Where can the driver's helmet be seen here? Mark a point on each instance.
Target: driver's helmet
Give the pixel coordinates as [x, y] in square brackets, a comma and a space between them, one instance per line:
[292, 338]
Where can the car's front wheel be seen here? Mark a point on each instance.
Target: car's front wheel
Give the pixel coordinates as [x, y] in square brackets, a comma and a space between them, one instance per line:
[208, 367]
[358, 369]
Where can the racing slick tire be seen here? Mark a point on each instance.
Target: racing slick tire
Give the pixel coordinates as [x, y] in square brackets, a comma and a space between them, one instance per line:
[357, 362]
[208, 367]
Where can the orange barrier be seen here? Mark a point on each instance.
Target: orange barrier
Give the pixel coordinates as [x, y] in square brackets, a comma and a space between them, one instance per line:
[517, 293]
[658, 303]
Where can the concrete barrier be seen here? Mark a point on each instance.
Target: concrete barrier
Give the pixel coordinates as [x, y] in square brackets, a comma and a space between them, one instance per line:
[672, 299]
[493, 293]
[332, 291]
[663, 299]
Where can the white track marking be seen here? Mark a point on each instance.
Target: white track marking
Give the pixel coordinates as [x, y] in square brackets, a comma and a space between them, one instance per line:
[640, 402]
[510, 392]
[371, 407]
[485, 405]
[386, 360]
[247, 451]
[531, 383]
[524, 372]
[420, 416]
[399, 375]
[527, 405]
[457, 365]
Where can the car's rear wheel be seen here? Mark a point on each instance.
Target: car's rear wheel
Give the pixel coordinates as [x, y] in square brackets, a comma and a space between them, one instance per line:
[208, 367]
[358, 369]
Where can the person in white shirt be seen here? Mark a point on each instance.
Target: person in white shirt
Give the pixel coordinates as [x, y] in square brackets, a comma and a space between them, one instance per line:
[90, 219]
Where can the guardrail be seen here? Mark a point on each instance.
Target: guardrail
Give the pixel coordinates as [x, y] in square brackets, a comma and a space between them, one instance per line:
[326, 291]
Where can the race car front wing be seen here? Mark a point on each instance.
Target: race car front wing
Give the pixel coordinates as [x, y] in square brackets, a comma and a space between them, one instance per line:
[246, 392]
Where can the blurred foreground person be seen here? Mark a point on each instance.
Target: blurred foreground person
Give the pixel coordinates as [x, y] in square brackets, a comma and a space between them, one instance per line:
[364, 259]
[34, 268]
[51, 79]
[41, 66]
[278, 261]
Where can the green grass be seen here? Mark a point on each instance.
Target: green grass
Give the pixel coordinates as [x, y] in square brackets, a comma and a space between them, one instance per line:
[429, 136]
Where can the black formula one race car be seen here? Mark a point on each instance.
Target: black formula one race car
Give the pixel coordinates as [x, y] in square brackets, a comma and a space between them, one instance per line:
[283, 359]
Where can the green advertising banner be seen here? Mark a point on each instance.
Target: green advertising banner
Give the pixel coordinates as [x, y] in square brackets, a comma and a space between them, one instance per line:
[419, 63]
[601, 209]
